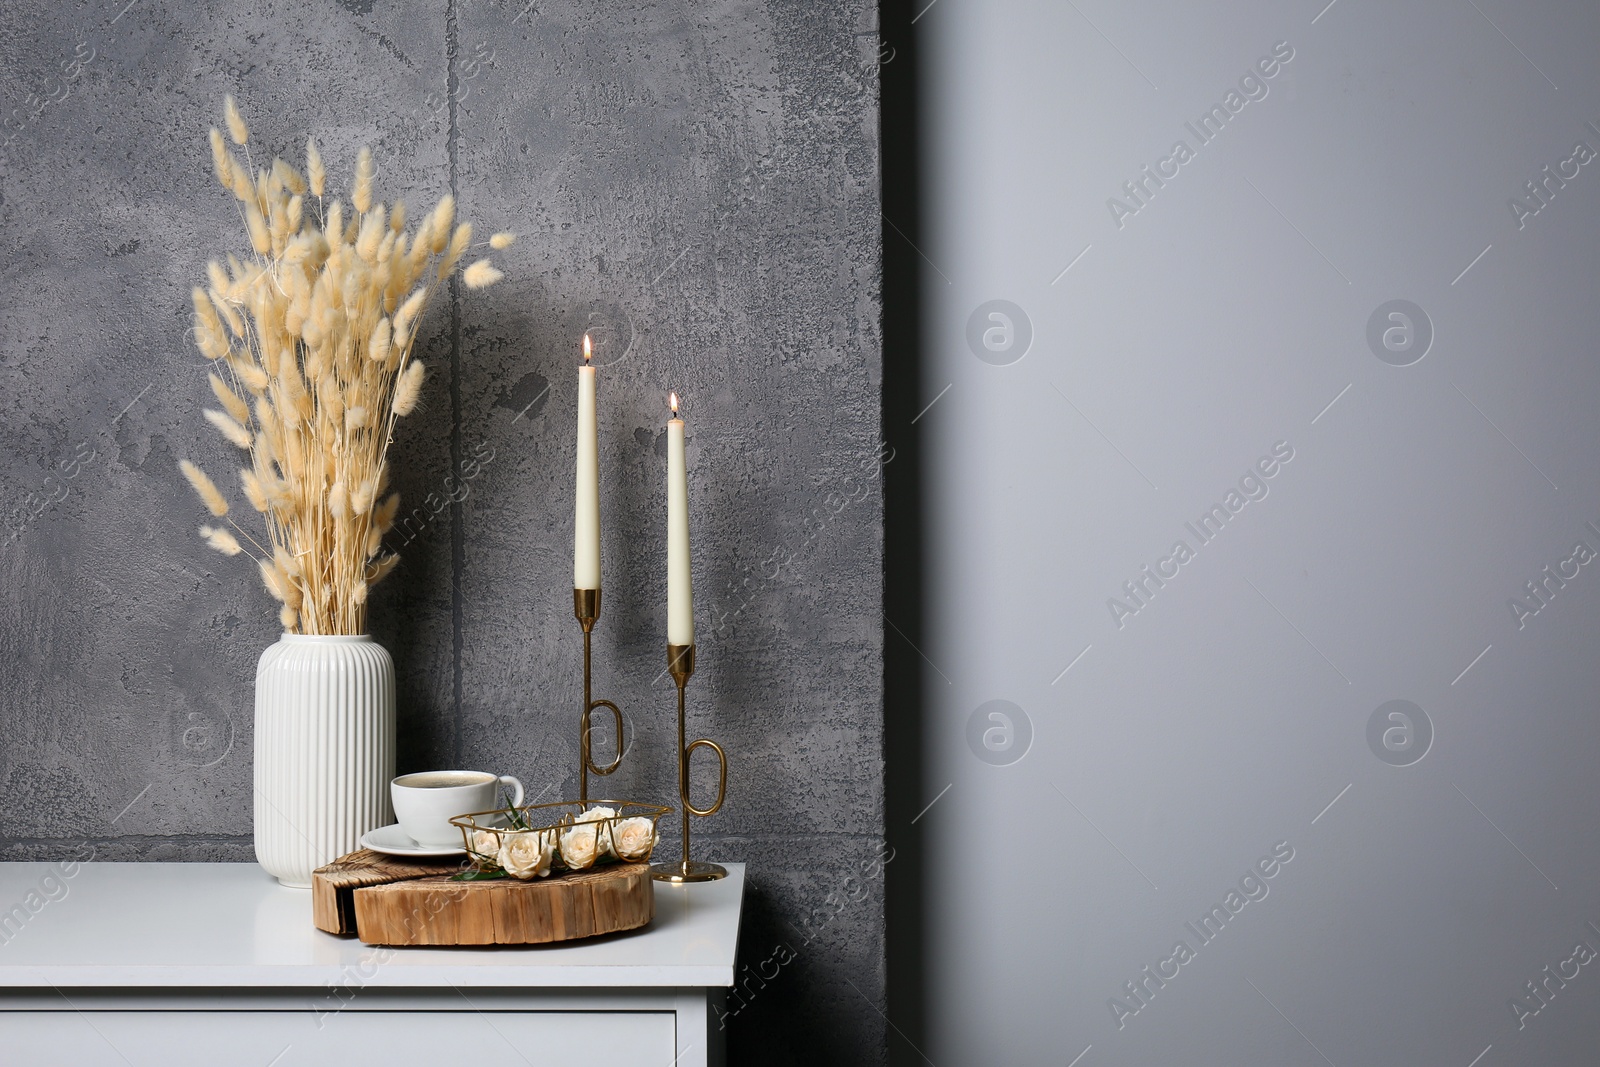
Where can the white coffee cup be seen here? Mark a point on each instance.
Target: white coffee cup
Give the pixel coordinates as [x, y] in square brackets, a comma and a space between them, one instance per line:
[425, 802]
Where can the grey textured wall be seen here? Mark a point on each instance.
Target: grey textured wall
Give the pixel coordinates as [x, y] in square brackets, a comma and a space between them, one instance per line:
[1238, 701]
[696, 184]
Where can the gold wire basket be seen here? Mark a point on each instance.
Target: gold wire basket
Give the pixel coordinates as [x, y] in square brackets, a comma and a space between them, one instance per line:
[541, 840]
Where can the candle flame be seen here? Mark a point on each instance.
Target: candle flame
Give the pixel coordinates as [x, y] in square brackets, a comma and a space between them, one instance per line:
[672, 398]
[586, 348]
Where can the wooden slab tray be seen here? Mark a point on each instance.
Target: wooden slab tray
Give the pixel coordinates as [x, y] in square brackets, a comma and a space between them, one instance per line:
[385, 901]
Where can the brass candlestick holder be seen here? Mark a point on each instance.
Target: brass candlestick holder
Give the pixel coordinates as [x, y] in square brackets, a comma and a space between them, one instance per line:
[680, 664]
[586, 606]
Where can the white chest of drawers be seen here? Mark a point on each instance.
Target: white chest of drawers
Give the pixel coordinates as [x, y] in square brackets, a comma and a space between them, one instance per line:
[174, 964]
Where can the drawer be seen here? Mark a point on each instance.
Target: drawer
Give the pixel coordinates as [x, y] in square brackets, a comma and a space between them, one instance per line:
[305, 1039]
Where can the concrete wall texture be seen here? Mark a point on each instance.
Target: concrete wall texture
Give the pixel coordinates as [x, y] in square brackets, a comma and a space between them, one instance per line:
[695, 184]
[1350, 324]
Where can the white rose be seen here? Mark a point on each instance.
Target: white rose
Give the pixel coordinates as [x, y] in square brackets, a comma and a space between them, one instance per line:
[486, 845]
[634, 838]
[526, 855]
[581, 846]
[596, 815]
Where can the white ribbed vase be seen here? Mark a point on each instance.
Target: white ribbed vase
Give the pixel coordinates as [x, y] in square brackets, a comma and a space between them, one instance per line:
[324, 740]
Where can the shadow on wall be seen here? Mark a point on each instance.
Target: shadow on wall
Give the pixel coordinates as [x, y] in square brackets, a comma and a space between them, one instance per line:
[783, 1021]
[904, 794]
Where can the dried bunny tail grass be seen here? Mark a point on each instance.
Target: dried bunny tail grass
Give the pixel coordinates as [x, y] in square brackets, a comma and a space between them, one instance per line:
[378, 343]
[208, 333]
[318, 329]
[314, 172]
[273, 347]
[415, 259]
[408, 389]
[219, 279]
[254, 378]
[421, 239]
[254, 491]
[229, 313]
[371, 235]
[275, 582]
[404, 318]
[278, 226]
[356, 281]
[272, 187]
[458, 248]
[288, 177]
[207, 490]
[260, 236]
[269, 439]
[221, 540]
[293, 461]
[205, 312]
[212, 344]
[220, 159]
[384, 514]
[294, 404]
[444, 216]
[230, 401]
[481, 274]
[242, 185]
[380, 569]
[301, 248]
[296, 315]
[361, 193]
[228, 428]
[322, 601]
[236, 127]
[330, 400]
[279, 574]
[383, 517]
[287, 564]
[278, 497]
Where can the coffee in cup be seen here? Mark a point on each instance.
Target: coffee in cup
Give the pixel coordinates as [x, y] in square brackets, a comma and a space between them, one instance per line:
[425, 802]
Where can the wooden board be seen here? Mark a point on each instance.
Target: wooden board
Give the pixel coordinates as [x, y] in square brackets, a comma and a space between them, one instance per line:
[333, 887]
[391, 903]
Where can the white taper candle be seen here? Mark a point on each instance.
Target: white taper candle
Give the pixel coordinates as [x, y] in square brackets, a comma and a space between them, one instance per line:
[586, 523]
[680, 592]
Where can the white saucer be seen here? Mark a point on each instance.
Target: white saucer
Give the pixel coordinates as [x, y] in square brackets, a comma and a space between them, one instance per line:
[392, 841]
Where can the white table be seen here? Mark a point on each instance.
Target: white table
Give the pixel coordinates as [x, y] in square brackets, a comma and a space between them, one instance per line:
[173, 964]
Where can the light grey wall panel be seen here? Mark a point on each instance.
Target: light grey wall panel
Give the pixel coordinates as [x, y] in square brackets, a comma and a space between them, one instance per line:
[1164, 740]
